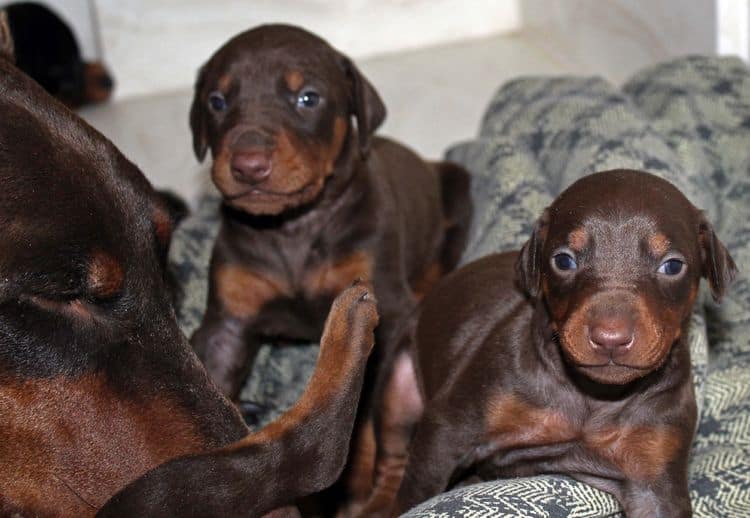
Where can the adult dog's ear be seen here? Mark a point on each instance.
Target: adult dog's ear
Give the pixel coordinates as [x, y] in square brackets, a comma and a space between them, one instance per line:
[529, 262]
[366, 105]
[198, 118]
[717, 265]
[6, 38]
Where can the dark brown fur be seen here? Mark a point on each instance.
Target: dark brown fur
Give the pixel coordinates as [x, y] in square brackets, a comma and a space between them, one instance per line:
[524, 368]
[98, 386]
[311, 201]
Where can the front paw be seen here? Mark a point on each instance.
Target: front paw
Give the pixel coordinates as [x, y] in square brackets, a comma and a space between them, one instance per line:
[352, 319]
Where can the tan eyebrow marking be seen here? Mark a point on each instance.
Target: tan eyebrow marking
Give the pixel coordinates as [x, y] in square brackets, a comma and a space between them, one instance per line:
[224, 83]
[658, 244]
[294, 79]
[106, 275]
[578, 239]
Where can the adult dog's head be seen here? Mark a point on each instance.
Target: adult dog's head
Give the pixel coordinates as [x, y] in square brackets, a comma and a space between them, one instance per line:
[97, 383]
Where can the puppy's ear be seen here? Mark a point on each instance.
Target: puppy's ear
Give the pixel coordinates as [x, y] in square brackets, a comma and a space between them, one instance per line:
[366, 105]
[198, 118]
[6, 38]
[717, 265]
[529, 262]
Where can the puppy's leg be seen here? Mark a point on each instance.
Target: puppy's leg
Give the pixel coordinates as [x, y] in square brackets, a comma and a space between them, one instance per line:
[442, 440]
[666, 497]
[393, 337]
[225, 341]
[302, 452]
[227, 348]
[399, 408]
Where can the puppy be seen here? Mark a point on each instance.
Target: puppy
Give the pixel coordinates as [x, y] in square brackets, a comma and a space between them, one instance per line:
[311, 200]
[97, 384]
[571, 355]
[47, 50]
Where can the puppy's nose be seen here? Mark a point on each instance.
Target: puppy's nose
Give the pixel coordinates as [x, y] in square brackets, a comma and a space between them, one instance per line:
[612, 335]
[251, 167]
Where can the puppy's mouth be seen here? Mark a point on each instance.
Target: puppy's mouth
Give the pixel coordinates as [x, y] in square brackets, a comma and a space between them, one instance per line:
[611, 363]
[612, 373]
[258, 192]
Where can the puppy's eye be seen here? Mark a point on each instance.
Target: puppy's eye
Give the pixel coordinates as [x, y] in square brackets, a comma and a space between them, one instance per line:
[217, 102]
[671, 267]
[563, 261]
[308, 98]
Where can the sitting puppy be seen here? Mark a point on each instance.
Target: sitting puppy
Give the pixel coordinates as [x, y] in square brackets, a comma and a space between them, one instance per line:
[97, 384]
[571, 357]
[310, 200]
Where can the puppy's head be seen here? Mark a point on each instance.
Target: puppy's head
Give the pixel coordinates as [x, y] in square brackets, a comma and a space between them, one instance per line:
[617, 259]
[274, 105]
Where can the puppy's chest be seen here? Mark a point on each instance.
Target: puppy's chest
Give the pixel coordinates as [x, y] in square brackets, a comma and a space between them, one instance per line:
[292, 282]
[544, 440]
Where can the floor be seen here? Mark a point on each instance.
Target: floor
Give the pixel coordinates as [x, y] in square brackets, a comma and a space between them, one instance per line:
[435, 97]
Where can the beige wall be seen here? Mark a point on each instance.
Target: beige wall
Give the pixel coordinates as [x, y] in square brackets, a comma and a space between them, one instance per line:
[155, 46]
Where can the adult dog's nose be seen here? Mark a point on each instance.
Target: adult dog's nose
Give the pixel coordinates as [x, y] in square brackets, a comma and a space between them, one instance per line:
[251, 167]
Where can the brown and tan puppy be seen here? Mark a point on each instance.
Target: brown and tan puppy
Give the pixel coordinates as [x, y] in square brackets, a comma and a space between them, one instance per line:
[311, 200]
[97, 384]
[571, 356]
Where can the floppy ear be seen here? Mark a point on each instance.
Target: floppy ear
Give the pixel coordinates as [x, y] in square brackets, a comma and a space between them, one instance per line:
[6, 38]
[366, 106]
[198, 118]
[718, 266]
[529, 262]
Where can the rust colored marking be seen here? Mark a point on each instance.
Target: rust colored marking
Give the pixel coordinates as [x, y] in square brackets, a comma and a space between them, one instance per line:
[94, 84]
[106, 275]
[334, 277]
[243, 292]
[656, 329]
[224, 83]
[329, 155]
[76, 307]
[641, 452]
[294, 80]
[289, 511]
[578, 239]
[423, 285]
[658, 245]
[162, 226]
[300, 169]
[68, 444]
[361, 468]
[513, 423]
